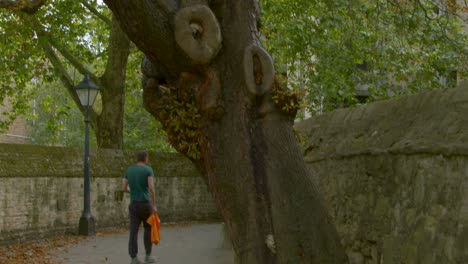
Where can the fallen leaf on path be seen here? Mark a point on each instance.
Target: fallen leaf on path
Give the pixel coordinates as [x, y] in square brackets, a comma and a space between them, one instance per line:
[37, 252]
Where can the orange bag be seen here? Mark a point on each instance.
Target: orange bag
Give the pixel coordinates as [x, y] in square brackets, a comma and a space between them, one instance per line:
[155, 223]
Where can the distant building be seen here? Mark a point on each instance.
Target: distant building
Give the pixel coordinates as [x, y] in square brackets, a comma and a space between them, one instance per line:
[458, 9]
[18, 131]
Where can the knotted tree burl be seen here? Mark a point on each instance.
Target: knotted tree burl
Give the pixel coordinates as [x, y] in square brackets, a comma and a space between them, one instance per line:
[212, 85]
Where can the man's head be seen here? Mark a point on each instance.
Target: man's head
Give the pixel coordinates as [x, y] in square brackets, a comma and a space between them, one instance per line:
[142, 156]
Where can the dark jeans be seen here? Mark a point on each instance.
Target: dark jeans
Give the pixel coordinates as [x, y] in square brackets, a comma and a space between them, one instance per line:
[139, 211]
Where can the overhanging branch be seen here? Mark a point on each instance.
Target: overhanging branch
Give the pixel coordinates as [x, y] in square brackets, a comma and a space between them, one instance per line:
[54, 59]
[154, 35]
[44, 43]
[96, 12]
[72, 59]
[27, 6]
[45, 36]
[64, 77]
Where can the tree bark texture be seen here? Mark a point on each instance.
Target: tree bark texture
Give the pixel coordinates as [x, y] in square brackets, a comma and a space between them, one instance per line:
[109, 123]
[30, 7]
[220, 107]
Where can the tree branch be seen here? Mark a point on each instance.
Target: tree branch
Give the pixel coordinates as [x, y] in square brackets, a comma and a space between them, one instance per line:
[64, 77]
[27, 6]
[54, 59]
[72, 59]
[148, 33]
[63, 50]
[96, 12]
[427, 10]
[118, 52]
[44, 43]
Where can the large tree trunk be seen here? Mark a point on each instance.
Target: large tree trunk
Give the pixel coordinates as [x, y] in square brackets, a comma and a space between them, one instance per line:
[109, 123]
[218, 109]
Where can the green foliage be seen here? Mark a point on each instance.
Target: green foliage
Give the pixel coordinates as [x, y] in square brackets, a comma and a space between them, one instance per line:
[287, 99]
[141, 130]
[73, 27]
[182, 123]
[390, 48]
[19, 63]
[22, 61]
[54, 120]
[30, 77]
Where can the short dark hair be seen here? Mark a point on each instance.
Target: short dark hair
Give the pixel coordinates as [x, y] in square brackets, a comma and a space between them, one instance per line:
[141, 156]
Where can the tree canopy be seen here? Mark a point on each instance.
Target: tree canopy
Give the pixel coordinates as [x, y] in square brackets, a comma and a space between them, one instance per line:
[330, 50]
[61, 41]
[333, 49]
[71, 30]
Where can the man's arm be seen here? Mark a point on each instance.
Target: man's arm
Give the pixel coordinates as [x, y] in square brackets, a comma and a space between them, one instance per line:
[125, 185]
[151, 190]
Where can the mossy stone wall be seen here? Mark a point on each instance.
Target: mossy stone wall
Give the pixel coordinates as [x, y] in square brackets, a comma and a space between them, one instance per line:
[41, 189]
[394, 176]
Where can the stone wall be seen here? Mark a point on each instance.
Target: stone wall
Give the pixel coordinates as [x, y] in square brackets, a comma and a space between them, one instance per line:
[394, 176]
[41, 190]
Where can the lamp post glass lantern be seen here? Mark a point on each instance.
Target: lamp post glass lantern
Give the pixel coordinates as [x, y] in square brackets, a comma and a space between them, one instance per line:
[87, 91]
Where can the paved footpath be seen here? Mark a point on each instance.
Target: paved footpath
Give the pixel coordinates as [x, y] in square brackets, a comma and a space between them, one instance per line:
[194, 243]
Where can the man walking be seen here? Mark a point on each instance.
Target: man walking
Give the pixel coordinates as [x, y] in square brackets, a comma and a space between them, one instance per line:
[138, 181]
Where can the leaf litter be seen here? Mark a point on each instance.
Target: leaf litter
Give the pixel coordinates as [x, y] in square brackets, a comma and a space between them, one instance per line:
[37, 252]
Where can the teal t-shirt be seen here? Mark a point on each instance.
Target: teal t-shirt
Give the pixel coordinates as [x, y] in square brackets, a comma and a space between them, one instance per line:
[137, 177]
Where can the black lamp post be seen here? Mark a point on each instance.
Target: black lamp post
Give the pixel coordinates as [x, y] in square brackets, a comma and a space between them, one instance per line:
[87, 91]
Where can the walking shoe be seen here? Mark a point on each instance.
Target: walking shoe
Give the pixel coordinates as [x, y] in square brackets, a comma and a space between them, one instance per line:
[136, 261]
[150, 259]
